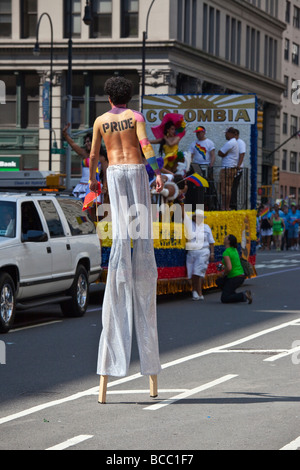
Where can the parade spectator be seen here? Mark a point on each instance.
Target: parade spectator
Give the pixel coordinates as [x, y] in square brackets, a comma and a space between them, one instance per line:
[230, 156]
[293, 219]
[200, 250]
[234, 275]
[278, 228]
[266, 231]
[285, 239]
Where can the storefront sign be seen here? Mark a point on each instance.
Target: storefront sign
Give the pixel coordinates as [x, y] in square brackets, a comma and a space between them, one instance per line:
[9, 163]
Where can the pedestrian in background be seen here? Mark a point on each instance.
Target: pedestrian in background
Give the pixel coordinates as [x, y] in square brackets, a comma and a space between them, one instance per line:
[293, 219]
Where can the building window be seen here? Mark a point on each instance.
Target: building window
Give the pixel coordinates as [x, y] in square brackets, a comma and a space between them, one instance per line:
[211, 30]
[295, 54]
[286, 84]
[288, 11]
[284, 160]
[102, 19]
[285, 123]
[5, 18]
[8, 119]
[28, 18]
[75, 13]
[296, 18]
[286, 49]
[270, 57]
[294, 125]
[293, 161]
[233, 40]
[30, 101]
[129, 18]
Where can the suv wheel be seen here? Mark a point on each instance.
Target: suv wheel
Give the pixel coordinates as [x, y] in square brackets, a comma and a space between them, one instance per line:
[76, 307]
[7, 302]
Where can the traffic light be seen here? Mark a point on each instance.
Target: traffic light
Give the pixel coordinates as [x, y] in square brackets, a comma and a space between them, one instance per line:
[260, 120]
[275, 174]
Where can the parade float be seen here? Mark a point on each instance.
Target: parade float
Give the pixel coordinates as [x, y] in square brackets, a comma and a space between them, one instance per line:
[170, 254]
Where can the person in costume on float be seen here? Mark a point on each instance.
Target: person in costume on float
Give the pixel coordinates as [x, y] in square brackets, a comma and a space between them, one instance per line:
[81, 188]
[169, 142]
[131, 280]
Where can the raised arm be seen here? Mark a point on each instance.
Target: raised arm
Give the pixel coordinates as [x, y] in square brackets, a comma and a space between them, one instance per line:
[147, 149]
[80, 151]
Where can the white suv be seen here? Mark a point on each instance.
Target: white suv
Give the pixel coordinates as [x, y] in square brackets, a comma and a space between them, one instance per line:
[49, 252]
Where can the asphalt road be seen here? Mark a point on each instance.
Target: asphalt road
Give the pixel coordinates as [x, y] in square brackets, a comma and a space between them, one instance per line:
[230, 378]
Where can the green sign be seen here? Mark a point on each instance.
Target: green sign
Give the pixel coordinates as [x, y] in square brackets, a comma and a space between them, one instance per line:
[9, 163]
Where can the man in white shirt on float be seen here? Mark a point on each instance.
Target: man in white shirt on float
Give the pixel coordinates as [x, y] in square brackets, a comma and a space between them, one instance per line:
[239, 170]
[203, 149]
[230, 158]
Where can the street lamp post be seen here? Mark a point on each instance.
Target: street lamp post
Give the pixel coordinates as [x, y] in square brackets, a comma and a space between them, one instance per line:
[87, 20]
[36, 51]
[145, 35]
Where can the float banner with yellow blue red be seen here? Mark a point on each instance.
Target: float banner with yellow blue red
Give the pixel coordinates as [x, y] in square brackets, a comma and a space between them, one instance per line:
[170, 253]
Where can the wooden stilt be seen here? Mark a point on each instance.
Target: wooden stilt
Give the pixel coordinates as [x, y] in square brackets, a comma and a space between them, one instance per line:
[153, 386]
[102, 389]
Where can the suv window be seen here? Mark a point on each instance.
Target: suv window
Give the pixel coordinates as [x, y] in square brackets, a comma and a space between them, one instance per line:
[79, 222]
[7, 219]
[52, 218]
[30, 218]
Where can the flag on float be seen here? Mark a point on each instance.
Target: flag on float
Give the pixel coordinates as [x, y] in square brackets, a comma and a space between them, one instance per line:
[198, 180]
[91, 197]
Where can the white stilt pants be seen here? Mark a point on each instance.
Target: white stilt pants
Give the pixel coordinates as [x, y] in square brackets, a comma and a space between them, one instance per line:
[131, 280]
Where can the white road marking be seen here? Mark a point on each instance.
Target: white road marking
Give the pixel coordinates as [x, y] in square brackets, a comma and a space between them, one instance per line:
[294, 445]
[283, 354]
[71, 442]
[34, 326]
[189, 393]
[122, 380]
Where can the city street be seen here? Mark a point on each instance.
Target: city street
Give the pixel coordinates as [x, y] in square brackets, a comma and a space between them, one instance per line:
[230, 378]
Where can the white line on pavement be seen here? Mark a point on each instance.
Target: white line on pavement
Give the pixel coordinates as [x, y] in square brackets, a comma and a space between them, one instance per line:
[294, 445]
[70, 442]
[283, 354]
[189, 393]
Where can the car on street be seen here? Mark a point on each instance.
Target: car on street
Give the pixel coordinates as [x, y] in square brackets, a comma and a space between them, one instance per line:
[49, 253]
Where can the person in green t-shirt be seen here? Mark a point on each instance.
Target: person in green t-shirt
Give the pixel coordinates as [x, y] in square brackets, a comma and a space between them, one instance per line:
[234, 275]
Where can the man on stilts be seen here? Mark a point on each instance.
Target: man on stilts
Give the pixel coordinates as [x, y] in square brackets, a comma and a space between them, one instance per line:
[131, 280]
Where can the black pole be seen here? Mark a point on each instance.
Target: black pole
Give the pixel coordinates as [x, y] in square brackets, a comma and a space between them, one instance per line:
[69, 79]
[285, 142]
[145, 35]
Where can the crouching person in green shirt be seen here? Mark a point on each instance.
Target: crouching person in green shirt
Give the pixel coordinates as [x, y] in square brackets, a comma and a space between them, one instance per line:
[234, 275]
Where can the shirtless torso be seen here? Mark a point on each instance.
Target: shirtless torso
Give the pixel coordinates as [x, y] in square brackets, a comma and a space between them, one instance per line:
[124, 133]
